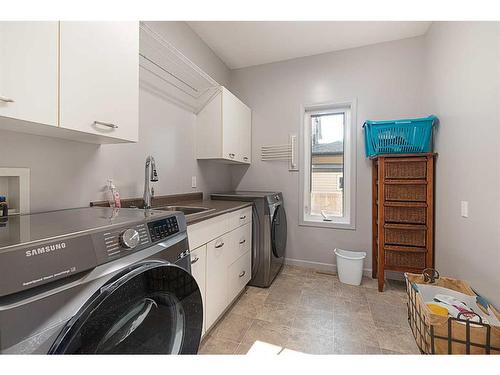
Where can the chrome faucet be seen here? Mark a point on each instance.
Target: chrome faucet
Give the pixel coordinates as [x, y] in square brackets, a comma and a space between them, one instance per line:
[150, 175]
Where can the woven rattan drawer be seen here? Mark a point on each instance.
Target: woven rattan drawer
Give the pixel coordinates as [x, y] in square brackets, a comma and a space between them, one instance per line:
[407, 235]
[398, 259]
[406, 192]
[405, 214]
[416, 168]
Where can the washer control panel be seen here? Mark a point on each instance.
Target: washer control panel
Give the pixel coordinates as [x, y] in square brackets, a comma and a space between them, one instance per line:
[161, 229]
[121, 241]
[125, 239]
[130, 238]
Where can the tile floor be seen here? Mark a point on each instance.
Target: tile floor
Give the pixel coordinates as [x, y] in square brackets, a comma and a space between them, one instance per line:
[309, 312]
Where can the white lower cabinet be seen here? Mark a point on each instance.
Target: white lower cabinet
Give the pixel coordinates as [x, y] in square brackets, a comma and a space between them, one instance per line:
[199, 272]
[217, 252]
[227, 241]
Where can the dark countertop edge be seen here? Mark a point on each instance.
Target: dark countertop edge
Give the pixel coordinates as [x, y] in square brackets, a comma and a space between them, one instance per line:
[220, 208]
[158, 201]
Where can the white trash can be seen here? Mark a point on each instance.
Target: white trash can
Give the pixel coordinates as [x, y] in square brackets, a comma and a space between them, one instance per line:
[350, 266]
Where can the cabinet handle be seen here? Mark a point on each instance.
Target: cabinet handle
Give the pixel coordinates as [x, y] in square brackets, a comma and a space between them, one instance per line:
[242, 241]
[245, 158]
[231, 155]
[195, 260]
[219, 245]
[108, 124]
[6, 100]
[243, 217]
[242, 274]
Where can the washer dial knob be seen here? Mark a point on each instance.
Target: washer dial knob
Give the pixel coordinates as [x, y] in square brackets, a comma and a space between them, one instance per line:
[130, 238]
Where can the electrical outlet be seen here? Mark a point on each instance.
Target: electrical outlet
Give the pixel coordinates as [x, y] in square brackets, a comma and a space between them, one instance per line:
[193, 182]
[464, 208]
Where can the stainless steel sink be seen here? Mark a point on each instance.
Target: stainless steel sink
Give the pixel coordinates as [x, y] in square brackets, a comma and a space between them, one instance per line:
[187, 210]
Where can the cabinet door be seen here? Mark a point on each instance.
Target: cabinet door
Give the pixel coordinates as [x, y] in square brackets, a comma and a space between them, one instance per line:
[246, 134]
[216, 282]
[198, 270]
[231, 126]
[99, 78]
[29, 71]
[209, 130]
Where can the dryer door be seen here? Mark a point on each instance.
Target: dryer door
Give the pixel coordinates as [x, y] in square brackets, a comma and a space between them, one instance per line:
[278, 232]
[153, 308]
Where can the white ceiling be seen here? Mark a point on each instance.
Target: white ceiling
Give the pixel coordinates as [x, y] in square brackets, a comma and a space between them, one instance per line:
[245, 43]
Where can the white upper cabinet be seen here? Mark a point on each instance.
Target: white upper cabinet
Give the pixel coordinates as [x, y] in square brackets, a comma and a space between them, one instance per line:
[81, 78]
[224, 129]
[29, 71]
[99, 78]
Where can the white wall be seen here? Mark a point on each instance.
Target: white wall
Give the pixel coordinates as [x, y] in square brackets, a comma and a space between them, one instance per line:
[68, 174]
[387, 81]
[463, 89]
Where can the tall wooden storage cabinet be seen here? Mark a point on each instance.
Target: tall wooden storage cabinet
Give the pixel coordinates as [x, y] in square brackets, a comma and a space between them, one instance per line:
[403, 214]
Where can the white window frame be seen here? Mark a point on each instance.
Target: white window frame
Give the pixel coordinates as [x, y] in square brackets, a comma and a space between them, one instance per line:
[348, 221]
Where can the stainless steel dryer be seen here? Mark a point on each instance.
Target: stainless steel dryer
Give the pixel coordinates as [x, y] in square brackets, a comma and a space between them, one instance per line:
[269, 233]
[98, 280]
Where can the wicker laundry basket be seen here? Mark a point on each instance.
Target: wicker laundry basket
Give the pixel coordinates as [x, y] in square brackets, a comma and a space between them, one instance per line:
[436, 334]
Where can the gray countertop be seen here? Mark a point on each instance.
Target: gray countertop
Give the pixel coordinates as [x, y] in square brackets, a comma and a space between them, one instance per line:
[217, 208]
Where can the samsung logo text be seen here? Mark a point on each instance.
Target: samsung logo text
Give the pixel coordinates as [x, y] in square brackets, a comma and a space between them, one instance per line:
[45, 249]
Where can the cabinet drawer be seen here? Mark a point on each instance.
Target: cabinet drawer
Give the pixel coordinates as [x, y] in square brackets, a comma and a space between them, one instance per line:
[405, 214]
[406, 192]
[241, 242]
[198, 270]
[205, 231]
[239, 274]
[405, 259]
[406, 169]
[240, 217]
[408, 235]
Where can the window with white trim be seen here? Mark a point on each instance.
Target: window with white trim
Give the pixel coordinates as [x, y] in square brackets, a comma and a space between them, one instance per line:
[328, 159]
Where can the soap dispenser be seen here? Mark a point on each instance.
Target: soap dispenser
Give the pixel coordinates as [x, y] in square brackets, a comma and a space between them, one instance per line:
[112, 194]
[4, 208]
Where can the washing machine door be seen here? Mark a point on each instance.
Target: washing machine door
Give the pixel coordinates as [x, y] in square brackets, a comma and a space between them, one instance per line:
[278, 231]
[153, 308]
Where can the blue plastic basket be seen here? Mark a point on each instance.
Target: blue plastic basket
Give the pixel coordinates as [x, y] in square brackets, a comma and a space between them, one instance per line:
[406, 136]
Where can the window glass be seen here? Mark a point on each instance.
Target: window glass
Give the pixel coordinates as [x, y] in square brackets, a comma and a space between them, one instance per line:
[327, 164]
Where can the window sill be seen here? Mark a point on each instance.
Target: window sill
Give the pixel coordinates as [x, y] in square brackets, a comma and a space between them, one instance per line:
[327, 224]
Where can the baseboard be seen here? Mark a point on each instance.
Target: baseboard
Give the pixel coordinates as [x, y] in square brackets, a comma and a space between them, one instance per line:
[328, 267]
